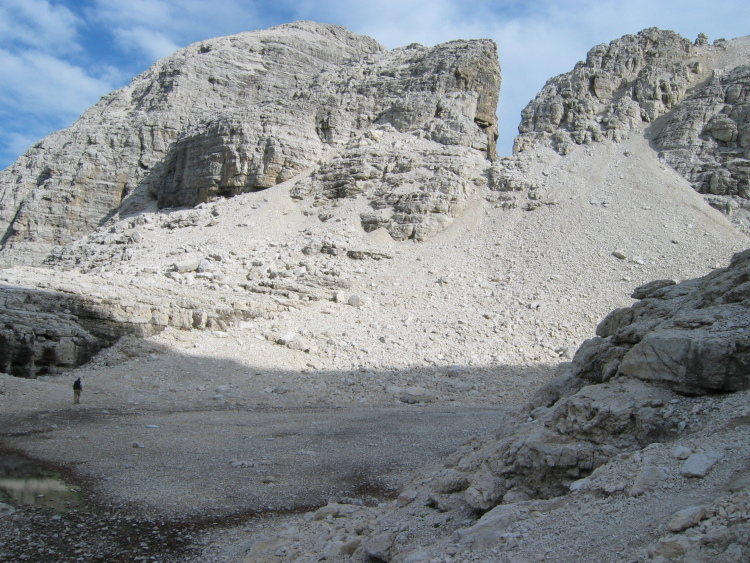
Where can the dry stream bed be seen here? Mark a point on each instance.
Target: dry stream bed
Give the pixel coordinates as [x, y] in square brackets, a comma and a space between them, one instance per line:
[157, 484]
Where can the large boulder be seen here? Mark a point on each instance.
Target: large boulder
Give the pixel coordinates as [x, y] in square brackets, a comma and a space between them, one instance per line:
[686, 338]
[690, 337]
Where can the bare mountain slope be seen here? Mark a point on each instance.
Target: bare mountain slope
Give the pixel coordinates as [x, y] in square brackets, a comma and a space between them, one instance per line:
[246, 112]
[387, 261]
[693, 95]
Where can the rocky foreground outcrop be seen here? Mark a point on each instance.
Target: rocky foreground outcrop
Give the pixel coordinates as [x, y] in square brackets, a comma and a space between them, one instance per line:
[650, 417]
[245, 112]
[686, 339]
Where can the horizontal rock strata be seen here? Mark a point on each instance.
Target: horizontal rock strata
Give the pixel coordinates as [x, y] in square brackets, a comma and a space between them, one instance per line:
[246, 112]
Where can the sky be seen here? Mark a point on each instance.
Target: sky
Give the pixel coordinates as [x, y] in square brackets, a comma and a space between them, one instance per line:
[58, 57]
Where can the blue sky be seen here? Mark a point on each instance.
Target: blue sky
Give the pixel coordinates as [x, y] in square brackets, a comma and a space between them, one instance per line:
[58, 57]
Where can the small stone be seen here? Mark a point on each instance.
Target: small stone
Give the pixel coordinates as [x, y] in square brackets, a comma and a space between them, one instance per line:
[619, 254]
[378, 546]
[681, 452]
[698, 465]
[189, 265]
[672, 547]
[580, 485]
[648, 478]
[414, 395]
[286, 339]
[205, 266]
[406, 497]
[354, 301]
[686, 518]
[349, 547]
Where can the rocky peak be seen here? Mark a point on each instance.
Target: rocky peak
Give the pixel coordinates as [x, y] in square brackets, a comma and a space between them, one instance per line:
[238, 114]
[631, 80]
[689, 99]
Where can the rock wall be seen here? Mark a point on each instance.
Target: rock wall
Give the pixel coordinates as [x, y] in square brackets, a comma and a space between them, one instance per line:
[707, 140]
[237, 114]
[632, 80]
[49, 326]
[694, 98]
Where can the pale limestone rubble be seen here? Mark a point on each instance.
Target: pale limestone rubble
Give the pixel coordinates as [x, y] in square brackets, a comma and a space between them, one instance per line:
[300, 197]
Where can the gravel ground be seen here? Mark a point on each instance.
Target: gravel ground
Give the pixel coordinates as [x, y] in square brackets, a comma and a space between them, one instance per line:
[193, 435]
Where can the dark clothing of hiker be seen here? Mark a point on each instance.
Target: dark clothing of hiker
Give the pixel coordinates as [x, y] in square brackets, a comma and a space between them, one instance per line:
[77, 388]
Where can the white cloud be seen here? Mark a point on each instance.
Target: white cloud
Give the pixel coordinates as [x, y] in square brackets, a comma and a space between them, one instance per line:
[39, 84]
[39, 25]
[15, 143]
[155, 28]
[150, 43]
[43, 74]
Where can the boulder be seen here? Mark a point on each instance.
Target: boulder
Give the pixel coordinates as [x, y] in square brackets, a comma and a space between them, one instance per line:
[689, 337]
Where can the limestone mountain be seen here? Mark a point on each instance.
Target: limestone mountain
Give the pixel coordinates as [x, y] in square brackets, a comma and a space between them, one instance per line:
[246, 112]
[325, 223]
[691, 96]
[345, 163]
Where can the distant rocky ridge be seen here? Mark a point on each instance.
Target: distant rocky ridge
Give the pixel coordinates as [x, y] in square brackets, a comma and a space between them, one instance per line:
[246, 112]
[707, 140]
[694, 95]
[632, 80]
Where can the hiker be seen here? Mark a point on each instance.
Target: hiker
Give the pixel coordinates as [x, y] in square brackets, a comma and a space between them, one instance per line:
[77, 388]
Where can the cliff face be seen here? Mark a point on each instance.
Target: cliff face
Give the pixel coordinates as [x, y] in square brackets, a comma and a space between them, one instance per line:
[707, 140]
[690, 99]
[243, 113]
[631, 81]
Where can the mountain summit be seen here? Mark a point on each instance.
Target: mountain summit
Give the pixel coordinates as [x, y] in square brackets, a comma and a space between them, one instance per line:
[243, 113]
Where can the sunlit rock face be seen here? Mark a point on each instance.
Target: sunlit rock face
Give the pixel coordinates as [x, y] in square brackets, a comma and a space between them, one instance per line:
[707, 140]
[631, 81]
[243, 113]
[690, 99]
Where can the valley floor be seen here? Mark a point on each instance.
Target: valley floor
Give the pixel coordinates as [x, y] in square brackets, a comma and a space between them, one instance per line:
[167, 447]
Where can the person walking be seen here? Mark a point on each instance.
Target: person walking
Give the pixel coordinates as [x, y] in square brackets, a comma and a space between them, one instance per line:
[77, 388]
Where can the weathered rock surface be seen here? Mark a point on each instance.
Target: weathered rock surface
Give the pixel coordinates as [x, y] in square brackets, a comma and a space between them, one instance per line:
[632, 80]
[298, 296]
[690, 337]
[694, 97]
[49, 327]
[246, 112]
[707, 140]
